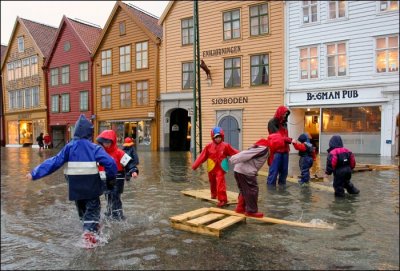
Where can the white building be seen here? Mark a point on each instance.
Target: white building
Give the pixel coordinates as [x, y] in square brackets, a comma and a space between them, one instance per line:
[342, 73]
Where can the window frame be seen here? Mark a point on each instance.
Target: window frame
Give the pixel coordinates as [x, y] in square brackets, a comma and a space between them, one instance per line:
[125, 89]
[122, 28]
[336, 60]
[65, 76]
[81, 101]
[83, 72]
[126, 57]
[139, 55]
[142, 90]
[309, 6]
[20, 44]
[10, 72]
[28, 97]
[378, 7]
[231, 21]
[34, 65]
[35, 96]
[309, 47]
[190, 75]
[260, 55]
[17, 69]
[259, 20]
[107, 60]
[240, 73]
[337, 10]
[65, 102]
[54, 76]
[386, 49]
[106, 95]
[26, 67]
[55, 103]
[187, 29]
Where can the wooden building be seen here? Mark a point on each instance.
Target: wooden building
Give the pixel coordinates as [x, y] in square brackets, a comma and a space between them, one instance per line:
[24, 86]
[126, 63]
[68, 72]
[242, 45]
[2, 134]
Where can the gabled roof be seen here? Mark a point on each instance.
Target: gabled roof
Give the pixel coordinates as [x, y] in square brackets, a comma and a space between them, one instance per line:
[3, 51]
[86, 34]
[146, 21]
[42, 36]
[166, 11]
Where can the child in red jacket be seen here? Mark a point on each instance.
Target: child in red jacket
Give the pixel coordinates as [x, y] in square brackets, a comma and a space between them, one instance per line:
[216, 153]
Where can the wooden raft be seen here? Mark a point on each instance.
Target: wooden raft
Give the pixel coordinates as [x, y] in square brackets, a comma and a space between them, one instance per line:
[370, 167]
[211, 221]
[205, 195]
[296, 180]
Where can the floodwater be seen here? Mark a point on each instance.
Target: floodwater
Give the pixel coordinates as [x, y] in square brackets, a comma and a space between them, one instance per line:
[40, 228]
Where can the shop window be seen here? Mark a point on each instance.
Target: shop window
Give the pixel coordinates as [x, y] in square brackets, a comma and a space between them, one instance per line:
[259, 20]
[231, 24]
[38, 127]
[25, 132]
[259, 70]
[187, 31]
[12, 132]
[187, 75]
[387, 54]
[364, 119]
[310, 11]
[232, 72]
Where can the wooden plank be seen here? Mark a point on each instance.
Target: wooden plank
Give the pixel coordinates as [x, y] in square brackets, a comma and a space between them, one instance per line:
[206, 195]
[195, 229]
[275, 220]
[204, 219]
[226, 222]
[295, 180]
[189, 215]
[377, 167]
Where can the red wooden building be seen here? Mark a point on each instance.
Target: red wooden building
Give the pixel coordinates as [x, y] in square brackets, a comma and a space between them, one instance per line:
[68, 72]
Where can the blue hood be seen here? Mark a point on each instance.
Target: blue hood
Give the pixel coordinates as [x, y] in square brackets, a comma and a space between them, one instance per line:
[335, 142]
[83, 128]
[303, 138]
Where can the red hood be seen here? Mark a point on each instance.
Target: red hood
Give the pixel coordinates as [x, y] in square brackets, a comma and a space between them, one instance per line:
[280, 113]
[110, 135]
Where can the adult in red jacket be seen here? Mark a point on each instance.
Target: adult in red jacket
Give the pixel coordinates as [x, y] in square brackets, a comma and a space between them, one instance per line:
[278, 160]
[216, 153]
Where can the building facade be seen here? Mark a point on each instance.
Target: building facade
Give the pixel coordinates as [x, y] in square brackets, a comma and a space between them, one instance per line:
[2, 134]
[126, 63]
[68, 71]
[24, 85]
[242, 49]
[343, 72]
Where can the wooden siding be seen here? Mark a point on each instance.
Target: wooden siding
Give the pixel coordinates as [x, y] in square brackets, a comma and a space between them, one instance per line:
[77, 54]
[262, 100]
[22, 83]
[359, 29]
[112, 40]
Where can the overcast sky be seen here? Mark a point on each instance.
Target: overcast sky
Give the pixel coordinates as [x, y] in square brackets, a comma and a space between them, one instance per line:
[51, 12]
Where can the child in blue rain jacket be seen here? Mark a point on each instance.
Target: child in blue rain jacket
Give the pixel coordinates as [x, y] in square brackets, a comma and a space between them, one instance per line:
[84, 183]
[307, 157]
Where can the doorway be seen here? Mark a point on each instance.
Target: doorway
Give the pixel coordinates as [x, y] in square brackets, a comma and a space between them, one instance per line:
[231, 129]
[179, 129]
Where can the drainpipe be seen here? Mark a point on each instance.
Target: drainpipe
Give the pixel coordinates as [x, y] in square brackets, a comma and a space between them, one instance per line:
[92, 94]
[47, 103]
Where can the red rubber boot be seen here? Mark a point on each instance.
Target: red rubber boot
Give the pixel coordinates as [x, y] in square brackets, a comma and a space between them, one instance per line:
[240, 208]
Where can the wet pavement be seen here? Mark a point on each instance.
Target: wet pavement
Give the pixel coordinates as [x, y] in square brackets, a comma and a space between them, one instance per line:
[40, 228]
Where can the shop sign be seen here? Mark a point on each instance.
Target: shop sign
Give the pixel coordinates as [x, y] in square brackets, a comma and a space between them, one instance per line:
[230, 100]
[332, 95]
[24, 116]
[151, 114]
[222, 51]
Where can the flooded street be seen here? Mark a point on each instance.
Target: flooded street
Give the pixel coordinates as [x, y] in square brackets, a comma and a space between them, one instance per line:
[40, 228]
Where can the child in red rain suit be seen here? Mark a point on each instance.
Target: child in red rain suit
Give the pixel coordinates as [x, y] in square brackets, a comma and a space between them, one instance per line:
[125, 166]
[307, 157]
[247, 163]
[278, 160]
[216, 154]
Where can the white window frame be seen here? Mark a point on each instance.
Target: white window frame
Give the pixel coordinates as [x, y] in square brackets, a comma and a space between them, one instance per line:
[142, 94]
[189, 73]
[35, 97]
[387, 55]
[21, 44]
[388, 3]
[142, 56]
[54, 76]
[84, 71]
[65, 74]
[26, 68]
[337, 11]
[310, 15]
[189, 30]
[308, 47]
[55, 103]
[106, 62]
[28, 98]
[84, 100]
[65, 102]
[34, 65]
[125, 95]
[336, 60]
[106, 105]
[125, 58]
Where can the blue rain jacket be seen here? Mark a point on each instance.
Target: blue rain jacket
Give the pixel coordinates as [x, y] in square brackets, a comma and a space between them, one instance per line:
[81, 156]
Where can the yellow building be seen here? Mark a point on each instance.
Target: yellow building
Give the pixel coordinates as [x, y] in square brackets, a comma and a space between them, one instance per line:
[126, 73]
[242, 45]
[24, 84]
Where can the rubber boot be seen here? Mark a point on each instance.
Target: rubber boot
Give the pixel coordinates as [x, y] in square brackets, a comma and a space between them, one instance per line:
[351, 189]
[258, 215]
[240, 208]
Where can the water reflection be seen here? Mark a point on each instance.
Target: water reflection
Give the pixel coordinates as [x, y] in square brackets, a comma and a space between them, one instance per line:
[40, 229]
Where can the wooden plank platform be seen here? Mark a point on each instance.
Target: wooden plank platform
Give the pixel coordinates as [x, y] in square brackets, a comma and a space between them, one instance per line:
[296, 180]
[205, 194]
[212, 221]
[370, 167]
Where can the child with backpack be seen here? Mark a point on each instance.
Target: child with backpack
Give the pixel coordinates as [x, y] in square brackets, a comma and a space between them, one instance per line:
[129, 148]
[340, 162]
[307, 157]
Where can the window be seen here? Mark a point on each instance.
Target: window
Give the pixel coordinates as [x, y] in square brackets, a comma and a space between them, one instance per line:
[18, 69]
[55, 103]
[125, 58]
[28, 98]
[65, 75]
[388, 5]
[54, 76]
[21, 46]
[309, 63]
[65, 102]
[84, 100]
[260, 70]
[106, 62]
[337, 9]
[67, 46]
[142, 93]
[26, 69]
[142, 55]
[106, 98]
[259, 20]
[34, 65]
[231, 25]
[10, 71]
[20, 98]
[122, 28]
[387, 54]
[125, 95]
[84, 71]
[187, 75]
[337, 59]
[187, 31]
[232, 72]
[310, 11]
[35, 96]
[11, 99]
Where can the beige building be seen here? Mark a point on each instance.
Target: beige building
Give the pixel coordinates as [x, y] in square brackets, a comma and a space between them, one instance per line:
[242, 44]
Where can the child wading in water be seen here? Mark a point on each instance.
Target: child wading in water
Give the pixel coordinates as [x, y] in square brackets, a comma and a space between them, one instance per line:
[307, 157]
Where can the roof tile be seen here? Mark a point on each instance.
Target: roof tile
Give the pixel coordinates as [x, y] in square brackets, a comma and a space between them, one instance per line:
[88, 33]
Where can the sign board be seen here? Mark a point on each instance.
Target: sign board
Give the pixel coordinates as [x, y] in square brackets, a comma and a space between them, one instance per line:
[151, 114]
